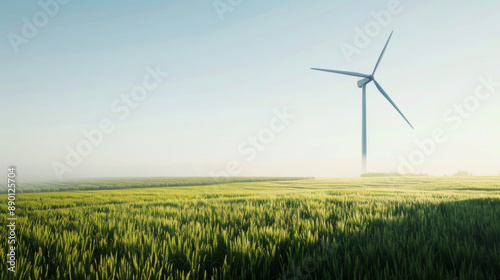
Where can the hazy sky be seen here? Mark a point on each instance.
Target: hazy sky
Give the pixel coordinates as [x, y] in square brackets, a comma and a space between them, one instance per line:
[72, 67]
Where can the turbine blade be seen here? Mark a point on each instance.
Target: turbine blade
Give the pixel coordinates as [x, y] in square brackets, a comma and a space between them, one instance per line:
[344, 73]
[390, 101]
[381, 54]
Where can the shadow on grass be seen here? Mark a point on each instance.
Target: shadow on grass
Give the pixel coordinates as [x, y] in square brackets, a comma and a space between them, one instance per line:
[448, 240]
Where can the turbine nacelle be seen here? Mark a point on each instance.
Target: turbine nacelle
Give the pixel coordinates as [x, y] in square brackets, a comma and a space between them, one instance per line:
[363, 82]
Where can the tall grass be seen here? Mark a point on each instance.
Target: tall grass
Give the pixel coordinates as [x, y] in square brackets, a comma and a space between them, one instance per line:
[365, 228]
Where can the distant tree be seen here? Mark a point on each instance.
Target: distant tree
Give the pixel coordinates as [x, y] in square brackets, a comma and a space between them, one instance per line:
[462, 173]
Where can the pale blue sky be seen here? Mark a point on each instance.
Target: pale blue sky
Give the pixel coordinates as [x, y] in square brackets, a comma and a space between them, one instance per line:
[227, 75]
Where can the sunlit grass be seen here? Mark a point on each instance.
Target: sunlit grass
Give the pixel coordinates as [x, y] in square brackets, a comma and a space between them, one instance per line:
[361, 228]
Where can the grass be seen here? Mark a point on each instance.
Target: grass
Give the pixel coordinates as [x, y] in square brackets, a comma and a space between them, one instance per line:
[133, 183]
[361, 228]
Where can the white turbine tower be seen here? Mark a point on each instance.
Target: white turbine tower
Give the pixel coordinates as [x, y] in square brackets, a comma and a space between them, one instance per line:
[362, 84]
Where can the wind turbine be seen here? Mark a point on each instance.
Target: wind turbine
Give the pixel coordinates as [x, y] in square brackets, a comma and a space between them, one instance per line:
[362, 84]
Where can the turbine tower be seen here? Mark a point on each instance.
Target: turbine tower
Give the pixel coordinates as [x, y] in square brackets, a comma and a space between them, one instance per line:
[362, 84]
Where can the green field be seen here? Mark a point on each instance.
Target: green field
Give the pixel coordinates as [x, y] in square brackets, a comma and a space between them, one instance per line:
[361, 228]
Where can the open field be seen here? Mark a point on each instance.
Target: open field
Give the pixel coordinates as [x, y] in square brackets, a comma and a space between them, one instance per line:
[132, 183]
[359, 228]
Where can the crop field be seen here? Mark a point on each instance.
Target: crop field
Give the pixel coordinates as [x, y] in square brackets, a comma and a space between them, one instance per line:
[357, 228]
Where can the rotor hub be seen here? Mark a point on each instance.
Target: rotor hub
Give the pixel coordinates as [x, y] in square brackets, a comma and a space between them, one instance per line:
[364, 81]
